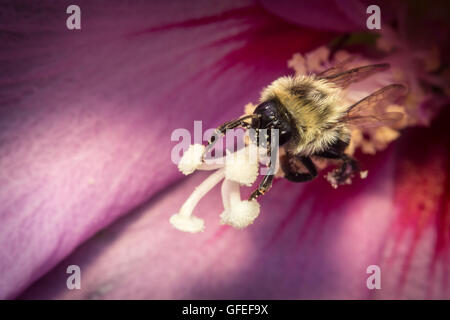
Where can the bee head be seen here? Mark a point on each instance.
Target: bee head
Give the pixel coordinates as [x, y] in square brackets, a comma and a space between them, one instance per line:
[271, 114]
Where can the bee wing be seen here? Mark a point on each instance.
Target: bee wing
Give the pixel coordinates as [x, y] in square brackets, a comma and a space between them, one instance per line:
[345, 78]
[336, 69]
[386, 119]
[371, 111]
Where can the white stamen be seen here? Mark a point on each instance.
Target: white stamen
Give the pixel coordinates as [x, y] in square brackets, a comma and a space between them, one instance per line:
[237, 168]
[238, 214]
[192, 160]
[242, 166]
[187, 224]
[184, 220]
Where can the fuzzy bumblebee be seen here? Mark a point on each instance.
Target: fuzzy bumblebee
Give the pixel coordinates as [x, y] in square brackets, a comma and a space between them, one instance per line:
[312, 120]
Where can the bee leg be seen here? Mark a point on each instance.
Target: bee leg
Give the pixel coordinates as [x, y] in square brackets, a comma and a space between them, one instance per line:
[264, 186]
[266, 182]
[292, 174]
[348, 168]
[220, 131]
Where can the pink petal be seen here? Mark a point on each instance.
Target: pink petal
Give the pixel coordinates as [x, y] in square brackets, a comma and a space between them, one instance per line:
[310, 241]
[421, 229]
[342, 16]
[87, 115]
[334, 15]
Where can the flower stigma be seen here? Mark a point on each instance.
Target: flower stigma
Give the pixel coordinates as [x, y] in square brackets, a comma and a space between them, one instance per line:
[236, 169]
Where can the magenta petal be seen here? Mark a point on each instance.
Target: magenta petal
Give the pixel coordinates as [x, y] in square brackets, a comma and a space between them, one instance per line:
[87, 115]
[310, 241]
[342, 16]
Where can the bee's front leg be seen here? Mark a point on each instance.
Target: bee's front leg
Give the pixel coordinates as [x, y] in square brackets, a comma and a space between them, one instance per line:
[266, 182]
[264, 186]
[220, 131]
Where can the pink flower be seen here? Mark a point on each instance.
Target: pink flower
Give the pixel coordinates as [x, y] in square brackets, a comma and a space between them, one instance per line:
[85, 125]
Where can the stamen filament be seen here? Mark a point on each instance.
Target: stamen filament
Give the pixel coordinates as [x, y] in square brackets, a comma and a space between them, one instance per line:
[201, 191]
[185, 220]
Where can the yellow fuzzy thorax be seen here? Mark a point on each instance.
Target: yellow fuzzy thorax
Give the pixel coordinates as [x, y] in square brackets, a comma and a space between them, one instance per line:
[317, 108]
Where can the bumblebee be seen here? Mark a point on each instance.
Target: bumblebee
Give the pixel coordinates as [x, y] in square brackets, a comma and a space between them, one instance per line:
[312, 120]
